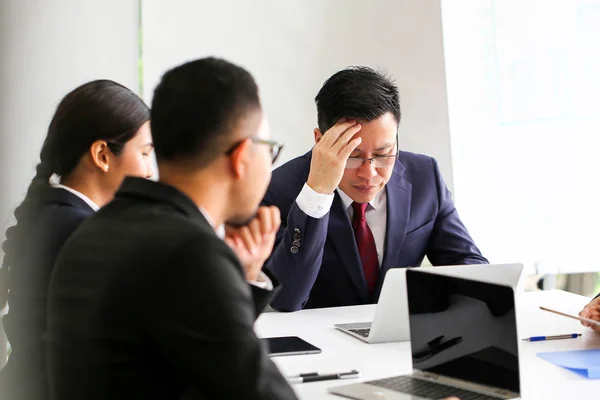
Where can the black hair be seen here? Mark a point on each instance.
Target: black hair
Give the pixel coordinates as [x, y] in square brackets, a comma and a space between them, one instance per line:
[195, 108]
[97, 110]
[358, 93]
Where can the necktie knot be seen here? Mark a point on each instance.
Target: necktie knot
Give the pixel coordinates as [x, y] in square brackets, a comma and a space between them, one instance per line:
[359, 209]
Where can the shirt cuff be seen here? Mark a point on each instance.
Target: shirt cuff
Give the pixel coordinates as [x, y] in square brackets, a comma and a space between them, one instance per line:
[263, 282]
[314, 204]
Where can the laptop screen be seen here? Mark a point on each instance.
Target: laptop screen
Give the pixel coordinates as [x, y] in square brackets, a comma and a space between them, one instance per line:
[463, 329]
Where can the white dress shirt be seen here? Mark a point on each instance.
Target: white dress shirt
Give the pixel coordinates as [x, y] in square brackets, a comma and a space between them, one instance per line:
[317, 205]
[263, 282]
[82, 196]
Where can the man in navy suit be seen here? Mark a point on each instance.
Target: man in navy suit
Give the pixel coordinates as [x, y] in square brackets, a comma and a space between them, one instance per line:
[356, 206]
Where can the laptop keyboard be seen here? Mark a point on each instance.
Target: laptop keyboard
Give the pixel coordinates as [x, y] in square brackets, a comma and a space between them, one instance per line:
[429, 390]
[361, 332]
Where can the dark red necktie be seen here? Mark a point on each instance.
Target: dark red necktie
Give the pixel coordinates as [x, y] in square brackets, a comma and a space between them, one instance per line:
[366, 245]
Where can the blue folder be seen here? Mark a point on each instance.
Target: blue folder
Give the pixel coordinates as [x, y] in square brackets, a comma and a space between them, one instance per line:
[584, 362]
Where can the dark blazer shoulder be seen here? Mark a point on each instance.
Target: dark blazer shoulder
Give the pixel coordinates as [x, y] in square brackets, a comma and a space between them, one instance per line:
[292, 173]
[64, 202]
[60, 212]
[423, 174]
[287, 182]
[182, 224]
[415, 163]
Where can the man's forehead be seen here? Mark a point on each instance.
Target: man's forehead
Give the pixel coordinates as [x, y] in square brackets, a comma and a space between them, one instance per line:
[380, 146]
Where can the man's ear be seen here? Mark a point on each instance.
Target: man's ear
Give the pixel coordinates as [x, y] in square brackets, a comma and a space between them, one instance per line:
[318, 135]
[101, 155]
[239, 159]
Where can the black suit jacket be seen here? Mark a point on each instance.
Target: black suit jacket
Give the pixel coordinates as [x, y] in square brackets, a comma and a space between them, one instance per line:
[146, 302]
[59, 214]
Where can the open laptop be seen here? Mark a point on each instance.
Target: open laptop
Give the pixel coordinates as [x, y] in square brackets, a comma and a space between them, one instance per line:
[502, 274]
[390, 323]
[463, 338]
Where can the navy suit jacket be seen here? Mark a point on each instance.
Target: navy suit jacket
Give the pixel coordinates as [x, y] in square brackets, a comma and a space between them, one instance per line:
[59, 213]
[326, 270]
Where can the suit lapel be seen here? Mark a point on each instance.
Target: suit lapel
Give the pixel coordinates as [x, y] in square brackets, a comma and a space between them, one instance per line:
[341, 234]
[398, 198]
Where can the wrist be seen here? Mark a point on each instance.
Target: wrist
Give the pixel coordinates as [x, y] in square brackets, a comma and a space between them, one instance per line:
[253, 274]
[318, 188]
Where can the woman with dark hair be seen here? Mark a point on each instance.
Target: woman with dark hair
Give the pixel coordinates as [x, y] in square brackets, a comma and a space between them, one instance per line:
[99, 134]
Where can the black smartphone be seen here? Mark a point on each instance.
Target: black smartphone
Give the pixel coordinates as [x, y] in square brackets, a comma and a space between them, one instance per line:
[289, 346]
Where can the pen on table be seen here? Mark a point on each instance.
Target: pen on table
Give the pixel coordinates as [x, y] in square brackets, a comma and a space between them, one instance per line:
[540, 338]
[315, 376]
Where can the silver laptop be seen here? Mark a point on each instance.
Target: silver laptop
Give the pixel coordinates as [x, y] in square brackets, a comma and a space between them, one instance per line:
[463, 337]
[390, 323]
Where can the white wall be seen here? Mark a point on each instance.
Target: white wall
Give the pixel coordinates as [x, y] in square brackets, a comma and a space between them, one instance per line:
[47, 48]
[293, 46]
[524, 98]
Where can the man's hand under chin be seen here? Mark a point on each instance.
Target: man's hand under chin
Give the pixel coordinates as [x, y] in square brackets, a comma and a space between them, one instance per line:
[253, 243]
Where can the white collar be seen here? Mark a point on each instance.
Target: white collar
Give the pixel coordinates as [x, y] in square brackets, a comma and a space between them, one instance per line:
[220, 230]
[377, 202]
[82, 196]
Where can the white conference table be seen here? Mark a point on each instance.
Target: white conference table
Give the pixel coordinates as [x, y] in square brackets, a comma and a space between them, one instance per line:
[341, 352]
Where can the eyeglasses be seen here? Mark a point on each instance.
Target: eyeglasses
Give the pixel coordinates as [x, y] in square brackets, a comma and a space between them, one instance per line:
[275, 147]
[377, 161]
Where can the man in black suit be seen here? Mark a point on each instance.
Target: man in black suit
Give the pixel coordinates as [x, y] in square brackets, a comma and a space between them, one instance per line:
[146, 300]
